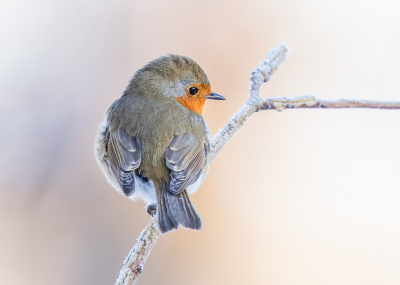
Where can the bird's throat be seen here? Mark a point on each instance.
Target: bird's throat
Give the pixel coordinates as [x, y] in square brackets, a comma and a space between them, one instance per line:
[194, 104]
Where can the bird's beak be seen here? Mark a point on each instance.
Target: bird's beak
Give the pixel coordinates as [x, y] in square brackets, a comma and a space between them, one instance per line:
[215, 96]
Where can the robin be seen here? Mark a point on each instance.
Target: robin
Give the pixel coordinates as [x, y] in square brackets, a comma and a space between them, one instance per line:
[153, 143]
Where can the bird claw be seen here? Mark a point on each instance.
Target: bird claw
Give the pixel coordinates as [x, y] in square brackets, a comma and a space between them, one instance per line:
[151, 209]
[139, 269]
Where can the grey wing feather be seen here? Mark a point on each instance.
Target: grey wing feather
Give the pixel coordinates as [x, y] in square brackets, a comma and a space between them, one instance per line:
[186, 157]
[125, 155]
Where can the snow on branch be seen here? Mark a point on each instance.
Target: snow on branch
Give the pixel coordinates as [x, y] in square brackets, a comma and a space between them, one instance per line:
[134, 262]
[308, 101]
[261, 74]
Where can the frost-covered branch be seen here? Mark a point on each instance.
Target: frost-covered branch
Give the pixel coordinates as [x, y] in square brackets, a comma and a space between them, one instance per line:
[308, 101]
[261, 74]
[281, 103]
[133, 264]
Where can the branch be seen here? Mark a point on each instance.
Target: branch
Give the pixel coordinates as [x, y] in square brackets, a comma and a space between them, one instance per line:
[281, 103]
[261, 74]
[255, 104]
[134, 262]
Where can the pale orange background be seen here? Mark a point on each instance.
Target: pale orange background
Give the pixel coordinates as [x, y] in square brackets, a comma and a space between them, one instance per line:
[298, 197]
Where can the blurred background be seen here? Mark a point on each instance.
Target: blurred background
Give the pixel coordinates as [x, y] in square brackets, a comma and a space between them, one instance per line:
[315, 200]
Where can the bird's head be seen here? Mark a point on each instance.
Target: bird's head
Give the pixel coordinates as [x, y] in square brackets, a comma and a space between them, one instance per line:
[178, 77]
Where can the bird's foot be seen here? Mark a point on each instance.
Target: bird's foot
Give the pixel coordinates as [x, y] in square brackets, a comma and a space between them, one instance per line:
[151, 209]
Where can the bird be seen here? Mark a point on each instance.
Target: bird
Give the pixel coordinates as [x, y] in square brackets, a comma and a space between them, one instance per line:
[153, 143]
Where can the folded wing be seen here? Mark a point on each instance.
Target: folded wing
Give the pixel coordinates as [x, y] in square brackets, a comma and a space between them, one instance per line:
[186, 157]
[125, 155]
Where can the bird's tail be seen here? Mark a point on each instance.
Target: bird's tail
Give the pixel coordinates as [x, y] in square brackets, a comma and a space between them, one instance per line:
[174, 210]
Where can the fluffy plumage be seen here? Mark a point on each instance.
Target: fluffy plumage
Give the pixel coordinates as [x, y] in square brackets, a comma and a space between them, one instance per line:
[153, 143]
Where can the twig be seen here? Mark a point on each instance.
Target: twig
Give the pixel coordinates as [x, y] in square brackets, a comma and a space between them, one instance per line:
[308, 101]
[133, 264]
[281, 103]
[261, 74]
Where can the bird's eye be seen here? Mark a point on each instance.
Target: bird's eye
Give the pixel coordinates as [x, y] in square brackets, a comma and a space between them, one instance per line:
[193, 90]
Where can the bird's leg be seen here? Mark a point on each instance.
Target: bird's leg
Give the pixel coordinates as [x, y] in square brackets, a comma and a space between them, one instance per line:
[151, 209]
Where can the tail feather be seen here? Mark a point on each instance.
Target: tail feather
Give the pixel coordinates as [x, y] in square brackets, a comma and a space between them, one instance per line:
[164, 222]
[176, 209]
